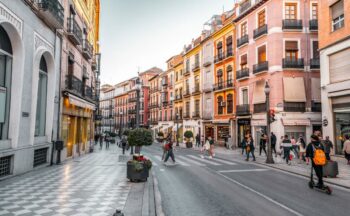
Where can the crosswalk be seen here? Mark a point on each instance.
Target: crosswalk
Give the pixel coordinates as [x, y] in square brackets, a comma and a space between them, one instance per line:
[190, 160]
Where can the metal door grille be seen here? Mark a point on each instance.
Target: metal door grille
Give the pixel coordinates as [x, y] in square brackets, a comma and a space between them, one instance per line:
[40, 156]
[5, 166]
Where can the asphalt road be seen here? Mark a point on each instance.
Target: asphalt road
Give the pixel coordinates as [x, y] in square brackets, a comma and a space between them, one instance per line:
[218, 187]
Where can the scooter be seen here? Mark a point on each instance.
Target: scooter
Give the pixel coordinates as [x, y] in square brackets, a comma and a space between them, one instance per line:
[312, 185]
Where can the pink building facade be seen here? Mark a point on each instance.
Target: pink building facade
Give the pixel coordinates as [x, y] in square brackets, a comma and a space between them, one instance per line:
[277, 43]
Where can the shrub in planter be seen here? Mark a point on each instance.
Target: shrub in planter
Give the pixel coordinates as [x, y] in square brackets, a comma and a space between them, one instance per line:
[126, 132]
[140, 137]
[188, 135]
[138, 168]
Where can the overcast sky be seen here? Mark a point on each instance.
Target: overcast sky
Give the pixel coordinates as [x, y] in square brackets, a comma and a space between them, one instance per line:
[145, 33]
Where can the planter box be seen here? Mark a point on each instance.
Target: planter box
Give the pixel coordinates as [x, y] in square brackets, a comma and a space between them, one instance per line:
[133, 175]
[189, 145]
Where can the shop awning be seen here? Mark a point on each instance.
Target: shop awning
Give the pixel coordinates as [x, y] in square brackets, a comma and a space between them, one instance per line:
[294, 89]
[259, 94]
[296, 122]
[80, 102]
[258, 122]
[316, 89]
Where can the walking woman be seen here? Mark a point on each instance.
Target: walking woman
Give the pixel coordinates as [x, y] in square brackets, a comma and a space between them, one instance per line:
[302, 150]
[249, 143]
[211, 142]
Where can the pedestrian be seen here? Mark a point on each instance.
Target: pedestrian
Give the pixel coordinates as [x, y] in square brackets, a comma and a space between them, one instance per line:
[286, 145]
[249, 143]
[107, 141]
[96, 138]
[170, 152]
[123, 142]
[165, 148]
[294, 146]
[302, 150]
[346, 148]
[262, 145]
[206, 149]
[311, 153]
[328, 145]
[198, 140]
[273, 143]
[101, 141]
[243, 143]
[202, 140]
[211, 142]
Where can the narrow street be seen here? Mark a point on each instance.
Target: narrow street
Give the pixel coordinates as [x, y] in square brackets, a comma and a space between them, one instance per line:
[196, 186]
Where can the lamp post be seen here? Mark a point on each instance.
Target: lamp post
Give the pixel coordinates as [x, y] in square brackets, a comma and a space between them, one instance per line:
[120, 123]
[269, 158]
[177, 129]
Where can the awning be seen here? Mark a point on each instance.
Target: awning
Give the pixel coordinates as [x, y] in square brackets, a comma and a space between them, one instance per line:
[316, 89]
[259, 94]
[294, 89]
[221, 121]
[296, 122]
[258, 122]
[80, 102]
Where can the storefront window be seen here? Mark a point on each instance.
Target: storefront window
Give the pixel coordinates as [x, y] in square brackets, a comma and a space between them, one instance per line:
[342, 128]
[223, 132]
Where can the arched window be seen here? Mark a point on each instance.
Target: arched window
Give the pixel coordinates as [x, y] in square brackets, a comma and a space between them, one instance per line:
[219, 50]
[229, 46]
[220, 78]
[229, 103]
[40, 120]
[220, 105]
[5, 82]
[229, 76]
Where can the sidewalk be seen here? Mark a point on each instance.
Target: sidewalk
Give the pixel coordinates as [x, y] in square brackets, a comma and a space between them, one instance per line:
[343, 179]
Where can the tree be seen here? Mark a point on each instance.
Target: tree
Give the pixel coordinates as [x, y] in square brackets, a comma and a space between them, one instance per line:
[188, 135]
[140, 137]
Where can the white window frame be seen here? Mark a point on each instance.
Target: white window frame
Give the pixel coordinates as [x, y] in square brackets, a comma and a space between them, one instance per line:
[291, 1]
[257, 16]
[241, 89]
[340, 19]
[291, 39]
[240, 28]
[311, 3]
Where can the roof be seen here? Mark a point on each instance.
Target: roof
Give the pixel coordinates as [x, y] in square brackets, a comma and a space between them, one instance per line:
[154, 70]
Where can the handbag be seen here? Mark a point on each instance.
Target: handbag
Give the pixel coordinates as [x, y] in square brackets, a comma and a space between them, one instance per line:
[248, 148]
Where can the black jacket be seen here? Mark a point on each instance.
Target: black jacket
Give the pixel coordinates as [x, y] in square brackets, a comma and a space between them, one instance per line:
[310, 148]
[273, 139]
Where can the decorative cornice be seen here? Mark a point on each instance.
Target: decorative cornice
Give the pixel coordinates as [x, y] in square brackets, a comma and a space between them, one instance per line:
[41, 42]
[9, 16]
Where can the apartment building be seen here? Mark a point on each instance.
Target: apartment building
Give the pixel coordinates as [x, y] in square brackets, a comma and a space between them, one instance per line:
[334, 45]
[154, 102]
[178, 96]
[107, 101]
[277, 42]
[121, 105]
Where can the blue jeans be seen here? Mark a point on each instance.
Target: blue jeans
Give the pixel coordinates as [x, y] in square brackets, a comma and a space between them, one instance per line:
[170, 154]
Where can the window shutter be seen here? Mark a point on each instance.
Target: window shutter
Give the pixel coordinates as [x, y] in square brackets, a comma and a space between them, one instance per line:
[244, 59]
[337, 9]
[292, 45]
[316, 54]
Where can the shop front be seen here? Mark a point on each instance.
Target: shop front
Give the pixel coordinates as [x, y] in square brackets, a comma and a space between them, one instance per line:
[208, 130]
[342, 128]
[77, 125]
[243, 129]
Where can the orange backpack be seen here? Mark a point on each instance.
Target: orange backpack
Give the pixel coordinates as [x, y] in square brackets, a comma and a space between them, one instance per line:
[319, 157]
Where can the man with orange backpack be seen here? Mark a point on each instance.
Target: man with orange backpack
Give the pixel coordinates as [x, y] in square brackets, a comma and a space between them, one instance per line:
[315, 151]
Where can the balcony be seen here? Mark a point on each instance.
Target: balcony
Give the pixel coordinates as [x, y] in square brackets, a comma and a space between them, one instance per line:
[293, 63]
[313, 25]
[134, 99]
[229, 53]
[316, 106]
[195, 67]
[132, 111]
[294, 106]
[219, 58]
[207, 87]
[260, 108]
[87, 49]
[52, 12]
[178, 97]
[242, 74]
[261, 67]
[292, 24]
[164, 82]
[74, 84]
[207, 115]
[74, 31]
[260, 31]
[187, 93]
[243, 109]
[196, 90]
[315, 64]
[196, 114]
[187, 72]
[244, 6]
[242, 41]
[207, 61]
[165, 103]
[223, 85]
[153, 105]
[186, 115]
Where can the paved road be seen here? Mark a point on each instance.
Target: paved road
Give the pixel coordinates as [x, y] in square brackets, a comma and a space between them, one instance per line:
[217, 187]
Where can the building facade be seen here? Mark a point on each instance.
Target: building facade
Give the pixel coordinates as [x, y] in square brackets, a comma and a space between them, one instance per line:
[178, 96]
[282, 50]
[334, 40]
[107, 104]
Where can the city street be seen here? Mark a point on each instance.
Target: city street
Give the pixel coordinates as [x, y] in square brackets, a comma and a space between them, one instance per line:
[198, 186]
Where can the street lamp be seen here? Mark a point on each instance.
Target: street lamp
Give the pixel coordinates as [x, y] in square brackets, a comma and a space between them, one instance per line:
[177, 129]
[267, 90]
[120, 123]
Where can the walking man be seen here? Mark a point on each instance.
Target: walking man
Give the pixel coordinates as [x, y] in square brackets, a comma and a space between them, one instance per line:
[123, 141]
[286, 145]
[346, 148]
[328, 145]
[107, 141]
[310, 153]
[198, 140]
[263, 140]
[273, 143]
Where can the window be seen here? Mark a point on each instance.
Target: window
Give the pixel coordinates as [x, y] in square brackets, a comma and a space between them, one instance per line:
[176, 76]
[220, 105]
[196, 106]
[219, 49]
[261, 18]
[41, 100]
[229, 74]
[196, 59]
[187, 65]
[229, 103]
[188, 108]
[196, 83]
[229, 45]
[338, 15]
[245, 96]
[291, 48]
[315, 52]
[220, 77]
[314, 11]
[291, 11]
[262, 54]
[244, 29]
[244, 61]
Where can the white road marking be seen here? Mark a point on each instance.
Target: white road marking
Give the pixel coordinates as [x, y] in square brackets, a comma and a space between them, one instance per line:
[204, 160]
[176, 159]
[191, 161]
[157, 196]
[223, 161]
[262, 195]
[161, 170]
[242, 170]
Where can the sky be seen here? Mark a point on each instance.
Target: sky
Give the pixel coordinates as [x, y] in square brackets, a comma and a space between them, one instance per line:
[136, 35]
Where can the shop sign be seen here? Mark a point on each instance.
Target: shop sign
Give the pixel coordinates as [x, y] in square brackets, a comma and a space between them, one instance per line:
[2, 104]
[243, 121]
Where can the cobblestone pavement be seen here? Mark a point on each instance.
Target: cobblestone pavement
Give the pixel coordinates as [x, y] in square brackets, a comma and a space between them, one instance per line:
[94, 184]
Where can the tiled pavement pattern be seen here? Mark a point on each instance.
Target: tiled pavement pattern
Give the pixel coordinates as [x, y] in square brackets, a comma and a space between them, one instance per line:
[94, 184]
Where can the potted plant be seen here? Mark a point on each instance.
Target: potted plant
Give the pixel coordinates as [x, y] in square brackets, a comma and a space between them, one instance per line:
[160, 136]
[188, 135]
[126, 132]
[138, 167]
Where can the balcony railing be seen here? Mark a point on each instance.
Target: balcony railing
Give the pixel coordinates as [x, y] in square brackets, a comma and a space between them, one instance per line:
[223, 85]
[260, 67]
[74, 84]
[87, 49]
[315, 63]
[196, 90]
[74, 31]
[259, 108]
[293, 63]
[195, 67]
[53, 12]
[243, 40]
[316, 106]
[294, 106]
[219, 57]
[292, 24]
[132, 111]
[164, 82]
[187, 115]
[187, 72]
[313, 25]
[245, 6]
[196, 114]
[260, 31]
[242, 74]
[178, 97]
[243, 109]
[134, 99]
[207, 61]
[229, 52]
[187, 93]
